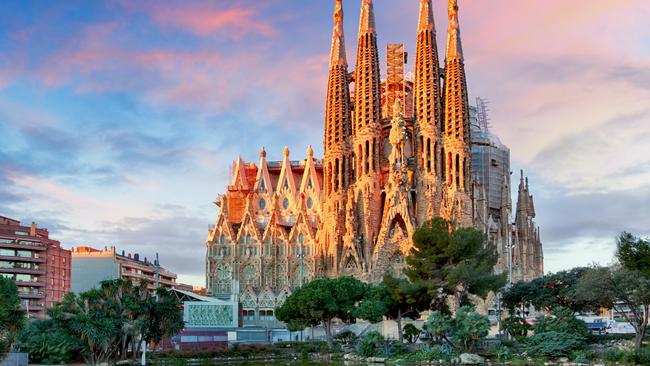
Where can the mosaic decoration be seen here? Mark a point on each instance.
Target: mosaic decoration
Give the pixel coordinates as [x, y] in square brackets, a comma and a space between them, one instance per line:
[210, 315]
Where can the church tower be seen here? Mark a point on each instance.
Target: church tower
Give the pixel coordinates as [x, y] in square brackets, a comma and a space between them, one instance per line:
[366, 137]
[428, 115]
[336, 162]
[456, 163]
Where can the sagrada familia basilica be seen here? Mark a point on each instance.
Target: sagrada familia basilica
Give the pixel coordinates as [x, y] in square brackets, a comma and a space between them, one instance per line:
[397, 152]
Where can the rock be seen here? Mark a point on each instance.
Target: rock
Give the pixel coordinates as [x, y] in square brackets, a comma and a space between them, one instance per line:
[471, 359]
[563, 359]
[376, 360]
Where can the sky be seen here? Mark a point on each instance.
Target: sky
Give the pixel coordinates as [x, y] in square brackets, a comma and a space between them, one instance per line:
[120, 120]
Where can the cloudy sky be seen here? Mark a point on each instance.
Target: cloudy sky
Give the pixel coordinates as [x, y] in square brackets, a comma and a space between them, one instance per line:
[119, 120]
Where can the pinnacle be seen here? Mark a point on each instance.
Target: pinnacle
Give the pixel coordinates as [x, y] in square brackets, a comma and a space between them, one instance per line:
[367, 19]
[454, 48]
[337, 53]
[426, 21]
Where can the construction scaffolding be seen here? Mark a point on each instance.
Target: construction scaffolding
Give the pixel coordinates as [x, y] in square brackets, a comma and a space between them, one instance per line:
[395, 87]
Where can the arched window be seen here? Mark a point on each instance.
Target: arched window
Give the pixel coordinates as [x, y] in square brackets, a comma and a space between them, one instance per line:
[285, 203]
[222, 240]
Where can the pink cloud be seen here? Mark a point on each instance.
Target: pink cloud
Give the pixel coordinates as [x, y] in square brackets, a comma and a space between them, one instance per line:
[234, 22]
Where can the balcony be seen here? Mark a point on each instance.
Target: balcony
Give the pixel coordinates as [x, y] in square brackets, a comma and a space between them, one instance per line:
[23, 259]
[30, 284]
[22, 271]
[31, 294]
[16, 245]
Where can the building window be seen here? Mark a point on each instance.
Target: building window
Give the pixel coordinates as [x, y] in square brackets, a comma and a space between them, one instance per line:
[262, 204]
[285, 203]
[310, 202]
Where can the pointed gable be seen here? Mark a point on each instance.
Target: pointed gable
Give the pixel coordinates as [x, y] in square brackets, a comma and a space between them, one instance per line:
[286, 186]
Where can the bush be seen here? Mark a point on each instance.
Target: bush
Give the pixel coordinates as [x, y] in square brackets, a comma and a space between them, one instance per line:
[583, 356]
[516, 326]
[562, 321]
[628, 356]
[412, 333]
[501, 353]
[430, 354]
[554, 344]
[48, 343]
[371, 345]
[346, 337]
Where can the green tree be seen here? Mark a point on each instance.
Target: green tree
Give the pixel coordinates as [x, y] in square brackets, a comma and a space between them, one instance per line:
[412, 333]
[553, 344]
[396, 298]
[452, 261]
[626, 291]
[12, 317]
[320, 302]
[117, 316]
[462, 331]
[633, 253]
[548, 292]
[562, 321]
[47, 342]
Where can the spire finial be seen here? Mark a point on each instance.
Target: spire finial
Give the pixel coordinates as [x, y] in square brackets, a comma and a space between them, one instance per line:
[426, 21]
[367, 19]
[262, 152]
[454, 48]
[337, 53]
[310, 151]
[286, 151]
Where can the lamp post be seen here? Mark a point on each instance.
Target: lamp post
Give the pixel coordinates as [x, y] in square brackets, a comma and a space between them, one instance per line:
[301, 257]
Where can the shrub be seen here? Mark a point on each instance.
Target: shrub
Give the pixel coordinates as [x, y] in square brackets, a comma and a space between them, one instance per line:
[346, 337]
[501, 353]
[465, 329]
[48, 343]
[628, 356]
[371, 345]
[583, 356]
[430, 354]
[554, 344]
[516, 326]
[562, 321]
[412, 333]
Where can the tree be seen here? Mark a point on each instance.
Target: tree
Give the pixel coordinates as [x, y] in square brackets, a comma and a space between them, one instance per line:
[452, 261]
[633, 253]
[548, 292]
[320, 302]
[117, 316]
[12, 317]
[412, 333]
[395, 298]
[626, 291]
[462, 331]
[47, 342]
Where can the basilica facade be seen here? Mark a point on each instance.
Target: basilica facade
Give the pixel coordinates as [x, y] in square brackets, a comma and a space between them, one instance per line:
[397, 152]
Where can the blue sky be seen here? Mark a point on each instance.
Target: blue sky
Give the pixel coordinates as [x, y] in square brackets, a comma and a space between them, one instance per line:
[119, 120]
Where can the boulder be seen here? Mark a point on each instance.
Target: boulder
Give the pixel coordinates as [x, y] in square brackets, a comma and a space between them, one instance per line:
[471, 359]
[376, 360]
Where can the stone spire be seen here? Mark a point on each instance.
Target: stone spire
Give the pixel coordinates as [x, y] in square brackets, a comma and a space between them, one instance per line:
[428, 113]
[367, 92]
[366, 136]
[337, 109]
[425, 22]
[336, 161]
[454, 48]
[456, 113]
[337, 53]
[367, 19]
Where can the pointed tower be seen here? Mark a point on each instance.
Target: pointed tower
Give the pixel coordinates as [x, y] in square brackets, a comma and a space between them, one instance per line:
[428, 115]
[336, 162]
[366, 135]
[456, 126]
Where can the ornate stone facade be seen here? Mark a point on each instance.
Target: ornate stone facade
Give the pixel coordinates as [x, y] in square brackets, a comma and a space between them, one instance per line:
[385, 171]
